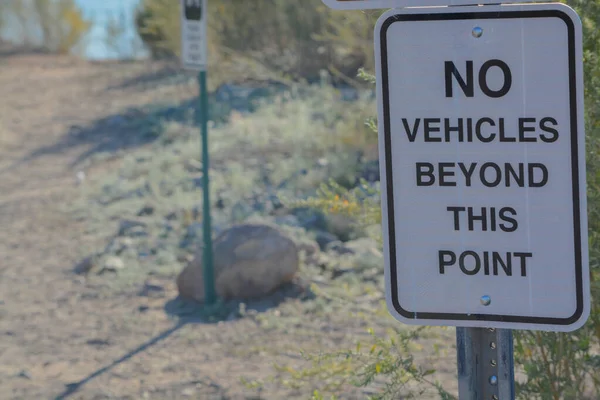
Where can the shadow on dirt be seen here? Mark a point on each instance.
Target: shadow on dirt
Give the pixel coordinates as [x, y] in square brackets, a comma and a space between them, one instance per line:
[136, 127]
[72, 388]
[230, 310]
[168, 75]
[193, 313]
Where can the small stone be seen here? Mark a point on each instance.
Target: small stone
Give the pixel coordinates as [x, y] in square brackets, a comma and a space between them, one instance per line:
[118, 245]
[98, 342]
[145, 211]
[127, 227]
[85, 265]
[287, 220]
[192, 165]
[309, 247]
[324, 238]
[364, 247]
[188, 392]
[338, 247]
[80, 178]
[143, 254]
[171, 216]
[152, 289]
[112, 264]
[185, 258]
[340, 271]
[143, 308]
[24, 374]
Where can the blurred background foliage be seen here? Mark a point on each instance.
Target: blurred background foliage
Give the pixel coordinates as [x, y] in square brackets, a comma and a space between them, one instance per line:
[56, 26]
[269, 39]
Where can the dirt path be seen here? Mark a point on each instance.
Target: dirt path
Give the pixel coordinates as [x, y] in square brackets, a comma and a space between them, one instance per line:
[53, 331]
[61, 337]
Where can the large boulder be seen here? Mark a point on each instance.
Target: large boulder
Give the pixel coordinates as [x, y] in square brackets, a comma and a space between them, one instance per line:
[250, 261]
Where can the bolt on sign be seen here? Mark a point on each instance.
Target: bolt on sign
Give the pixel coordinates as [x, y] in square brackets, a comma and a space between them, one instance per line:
[193, 34]
[481, 137]
[374, 4]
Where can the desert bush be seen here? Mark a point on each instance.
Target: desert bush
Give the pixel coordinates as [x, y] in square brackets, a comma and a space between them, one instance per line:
[287, 147]
[55, 25]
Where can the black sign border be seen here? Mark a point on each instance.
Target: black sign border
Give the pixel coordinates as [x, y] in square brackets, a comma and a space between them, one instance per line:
[553, 13]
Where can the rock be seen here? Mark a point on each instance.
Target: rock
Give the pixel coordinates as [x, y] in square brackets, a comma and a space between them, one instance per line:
[24, 374]
[118, 245]
[79, 178]
[112, 264]
[311, 250]
[309, 247]
[98, 342]
[152, 289]
[132, 228]
[145, 211]
[322, 162]
[250, 261]
[85, 266]
[193, 165]
[324, 238]
[288, 220]
[188, 392]
[338, 247]
[364, 247]
[171, 216]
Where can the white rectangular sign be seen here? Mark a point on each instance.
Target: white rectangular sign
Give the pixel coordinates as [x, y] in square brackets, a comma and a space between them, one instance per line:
[194, 52]
[375, 4]
[482, 161]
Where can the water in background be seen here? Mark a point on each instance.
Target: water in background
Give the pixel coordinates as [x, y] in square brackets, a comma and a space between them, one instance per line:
[101, 12]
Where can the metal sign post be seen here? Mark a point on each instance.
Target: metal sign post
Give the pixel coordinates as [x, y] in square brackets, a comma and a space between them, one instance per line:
[485, 364]
[194, 56]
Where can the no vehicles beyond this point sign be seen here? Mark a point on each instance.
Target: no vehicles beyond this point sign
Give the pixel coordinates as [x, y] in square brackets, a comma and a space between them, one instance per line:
[483, 166]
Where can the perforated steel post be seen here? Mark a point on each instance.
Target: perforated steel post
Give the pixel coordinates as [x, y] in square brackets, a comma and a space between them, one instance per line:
[207, 253]
[485, 364]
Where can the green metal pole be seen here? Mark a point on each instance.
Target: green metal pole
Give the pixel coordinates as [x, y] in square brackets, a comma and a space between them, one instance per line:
[210, 295]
